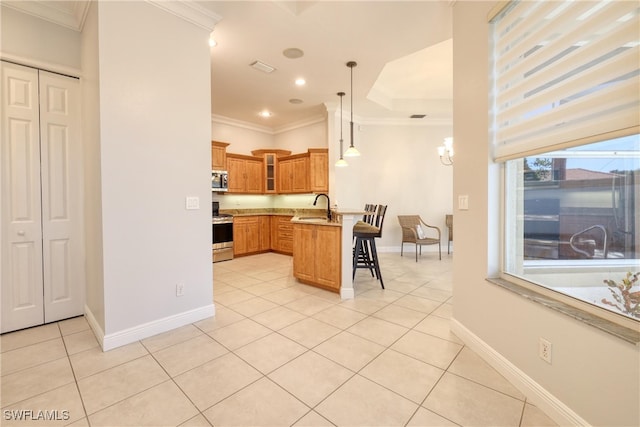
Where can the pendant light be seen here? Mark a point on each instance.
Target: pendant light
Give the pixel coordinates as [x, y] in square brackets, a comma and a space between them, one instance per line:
[351, 151]
[341, 162]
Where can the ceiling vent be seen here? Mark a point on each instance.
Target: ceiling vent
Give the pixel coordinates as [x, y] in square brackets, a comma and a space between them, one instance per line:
[261, 66]
[418, 116]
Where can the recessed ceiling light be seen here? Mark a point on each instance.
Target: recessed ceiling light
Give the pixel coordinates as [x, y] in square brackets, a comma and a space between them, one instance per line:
[300, 82]
[293, 53]
[265, 113]
[296, 101]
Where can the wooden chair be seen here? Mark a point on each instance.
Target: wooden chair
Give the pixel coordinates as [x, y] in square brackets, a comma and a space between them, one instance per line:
[414, 230]
[449, 222]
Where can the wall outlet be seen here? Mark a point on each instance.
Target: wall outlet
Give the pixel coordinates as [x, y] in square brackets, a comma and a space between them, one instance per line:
[544, 350]
[180, 289]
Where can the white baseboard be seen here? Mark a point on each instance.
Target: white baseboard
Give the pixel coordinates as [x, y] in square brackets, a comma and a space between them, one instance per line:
[537, 394]
[146, 330]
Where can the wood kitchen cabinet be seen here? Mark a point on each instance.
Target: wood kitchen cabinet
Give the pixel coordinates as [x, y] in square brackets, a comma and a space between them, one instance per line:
[245, 174]
[218, 155]
[251, 234]
[282, 234]
[319, 170]
[271, 172]
[293, 174]
[317, 255]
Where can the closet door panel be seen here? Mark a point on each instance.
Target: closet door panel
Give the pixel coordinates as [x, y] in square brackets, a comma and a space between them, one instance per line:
[22, 296]
[61, 211]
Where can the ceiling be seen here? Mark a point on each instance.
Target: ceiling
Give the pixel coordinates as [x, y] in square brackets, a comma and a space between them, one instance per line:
[403, 50]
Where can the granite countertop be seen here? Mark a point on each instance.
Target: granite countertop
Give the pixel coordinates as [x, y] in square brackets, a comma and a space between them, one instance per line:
[275, 211]
[316, 220]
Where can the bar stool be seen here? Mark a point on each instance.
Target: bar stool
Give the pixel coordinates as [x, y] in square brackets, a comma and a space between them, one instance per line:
[365, 254]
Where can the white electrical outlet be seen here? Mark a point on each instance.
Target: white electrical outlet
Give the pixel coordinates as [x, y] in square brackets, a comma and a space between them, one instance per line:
[544, 350]
[180, 289]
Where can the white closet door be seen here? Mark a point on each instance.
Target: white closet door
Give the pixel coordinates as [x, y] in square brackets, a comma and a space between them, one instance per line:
[42, 265]
[61, 188]
[22, 296]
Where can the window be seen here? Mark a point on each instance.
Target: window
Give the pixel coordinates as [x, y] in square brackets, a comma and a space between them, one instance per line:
[566, 125]
[572, 221]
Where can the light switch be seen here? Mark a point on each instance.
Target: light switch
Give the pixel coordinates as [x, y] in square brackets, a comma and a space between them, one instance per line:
[192, 203]
[463, 202]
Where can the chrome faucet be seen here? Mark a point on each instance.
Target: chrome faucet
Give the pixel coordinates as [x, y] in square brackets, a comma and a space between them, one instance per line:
[328, 205]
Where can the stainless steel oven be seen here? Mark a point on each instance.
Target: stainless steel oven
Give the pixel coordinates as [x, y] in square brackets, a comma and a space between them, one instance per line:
[222, 227]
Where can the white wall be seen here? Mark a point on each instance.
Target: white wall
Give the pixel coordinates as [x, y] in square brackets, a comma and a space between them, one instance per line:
[155, 137]
[242, 138]
[593, 373]
[33, 41]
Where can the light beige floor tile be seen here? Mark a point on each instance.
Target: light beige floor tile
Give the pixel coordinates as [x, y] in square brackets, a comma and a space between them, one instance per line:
[210, 383]
[270, 352]
[413, 302]
[253, 306]
[333, 297]
[400, 315]
[339, 317]
[309, 332]
[439, 327]
[382, 295]
[25, 337]
[63, 406]
[73, 325]
[285, 296]
[349, 350]
[400, 286]
[363, 305]
[83, 422]
[264, 288]
[311, 377]
[425, 418]
[175, 336]
[32, 355]
[405, 375]
[278, 318]
[187, 355]
[234, 297]
[224, 317]
[197, 421]
[432, 293]
[468, 403]
[239, 334]
[427, 348]
[80, 341]
[360, 402]
[445, 311]
[470, 366]
[378, 330]
[313, 419]
[309, 305]
[534, 417]
[108, 387]
[95, 360]
[34, 381]
[263, 403]
[161, 405]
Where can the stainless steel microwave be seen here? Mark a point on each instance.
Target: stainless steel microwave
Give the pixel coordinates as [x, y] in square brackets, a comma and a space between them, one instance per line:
[219, 181]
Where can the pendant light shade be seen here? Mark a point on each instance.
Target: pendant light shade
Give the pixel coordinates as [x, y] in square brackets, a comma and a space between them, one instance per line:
[341, 162]
[351, 151]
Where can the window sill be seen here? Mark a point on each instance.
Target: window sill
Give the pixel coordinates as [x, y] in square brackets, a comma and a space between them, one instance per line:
[627, 334]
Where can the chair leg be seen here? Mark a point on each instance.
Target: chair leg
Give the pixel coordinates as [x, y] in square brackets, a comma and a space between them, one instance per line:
[401, 247]
[376, 264]
[440, 251]
[417, 252]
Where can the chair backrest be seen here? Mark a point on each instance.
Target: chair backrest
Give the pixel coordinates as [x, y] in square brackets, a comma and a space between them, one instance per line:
[382, 211]
[408, 223]
[370, 215]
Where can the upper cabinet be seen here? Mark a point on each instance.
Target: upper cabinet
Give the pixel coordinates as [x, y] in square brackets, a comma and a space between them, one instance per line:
[218, 155]
[245, 174]
[270, 167]
[278, 171]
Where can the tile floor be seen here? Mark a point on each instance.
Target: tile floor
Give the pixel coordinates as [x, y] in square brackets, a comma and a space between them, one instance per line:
[277, 353]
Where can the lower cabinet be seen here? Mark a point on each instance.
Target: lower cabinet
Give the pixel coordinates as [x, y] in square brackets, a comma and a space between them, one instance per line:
[251, 234]
[317, 255]
[282, 234]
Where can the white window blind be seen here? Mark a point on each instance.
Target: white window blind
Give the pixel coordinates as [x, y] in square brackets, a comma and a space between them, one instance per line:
[563, 74]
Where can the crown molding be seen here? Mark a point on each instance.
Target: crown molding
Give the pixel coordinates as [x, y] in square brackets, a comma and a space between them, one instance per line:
[54, 12]
[215, 118]
[190, 12]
